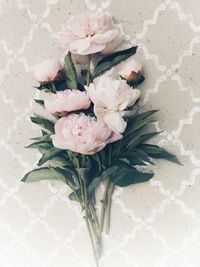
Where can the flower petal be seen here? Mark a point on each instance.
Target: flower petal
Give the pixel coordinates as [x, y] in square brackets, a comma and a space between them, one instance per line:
[115, 121]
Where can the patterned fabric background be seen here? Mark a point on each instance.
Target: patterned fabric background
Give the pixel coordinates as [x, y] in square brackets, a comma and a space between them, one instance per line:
[155, 224]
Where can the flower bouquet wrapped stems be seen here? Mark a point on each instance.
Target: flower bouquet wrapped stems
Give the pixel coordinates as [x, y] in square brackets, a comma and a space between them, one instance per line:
[94, 132]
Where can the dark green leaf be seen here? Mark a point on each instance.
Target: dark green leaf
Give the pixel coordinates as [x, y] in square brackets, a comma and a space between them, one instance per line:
[39, 102]
[112, 60]
[137, 156]
[96, 158]
[44, 87]
[50, 153]
[157, 152]
[61, 85]
[139, 121]
[44, 138]
[83, 173]
[41, 145]
[105, 174]
[124, 163]
[44, 174]
[75, 196]
[126, 177]
[140, 139]
[43, 122]
[71, 75]
[60, 161]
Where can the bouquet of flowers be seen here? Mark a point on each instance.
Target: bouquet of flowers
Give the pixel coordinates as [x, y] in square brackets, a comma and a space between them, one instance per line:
[96, 132]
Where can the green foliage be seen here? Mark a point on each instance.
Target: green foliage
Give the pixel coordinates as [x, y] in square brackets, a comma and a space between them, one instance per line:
[39, 102]
[43, 122]
[49, 154]
[157, 152]
[128, 176]
[112, 60]
[71, 75]
[47, 173]
[138, 122]
[97, 180]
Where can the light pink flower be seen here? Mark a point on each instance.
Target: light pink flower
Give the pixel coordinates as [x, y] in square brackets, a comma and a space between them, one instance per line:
[90, 33]
[82, 134]
[129, 69]
[111, 98]
[47, 71]
[67, 100]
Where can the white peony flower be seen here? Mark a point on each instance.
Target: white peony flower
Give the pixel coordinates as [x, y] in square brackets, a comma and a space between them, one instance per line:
[90, 33]
[111, 98]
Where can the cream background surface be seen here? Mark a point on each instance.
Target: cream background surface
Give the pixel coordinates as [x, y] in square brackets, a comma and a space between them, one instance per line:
[155, 224]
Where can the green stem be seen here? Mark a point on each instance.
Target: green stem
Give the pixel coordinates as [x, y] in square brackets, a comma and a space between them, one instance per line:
[94, 214]
[104, 204]
[88, 76]
[105, 196]
[88, 224]
[53, 87]
[108, 208]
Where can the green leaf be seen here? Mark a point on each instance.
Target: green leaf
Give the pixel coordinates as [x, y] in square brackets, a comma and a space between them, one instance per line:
[97, 159]
[126, 177]
[124, 163]
[61, 84]
[44, 86]
[139, 121]
[71, 75]
[140, 139]
[83, 173]
[50, 153]
[60, 161]
[39, 102]
[97, 180]
[157, 152]
[43, 122]
[112, 60]
[43, 138]
[75, 196]
[136, 157]
[41, 146]
[44, 174]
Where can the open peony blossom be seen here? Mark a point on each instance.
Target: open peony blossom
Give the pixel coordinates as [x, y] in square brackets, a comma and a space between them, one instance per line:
[130, 69]
[90, 33]
[47, 71]
[111, 98]
[67, 100]
[82, 134]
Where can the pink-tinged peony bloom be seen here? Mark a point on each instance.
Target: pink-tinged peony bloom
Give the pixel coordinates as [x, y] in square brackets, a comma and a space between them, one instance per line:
[90, 33]
[82, 134]
[130, 69]
[67, 100]
[47, 71]
[111, 98]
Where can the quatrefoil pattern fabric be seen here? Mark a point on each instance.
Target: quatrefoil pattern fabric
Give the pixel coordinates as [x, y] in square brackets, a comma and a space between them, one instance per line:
[156, 224]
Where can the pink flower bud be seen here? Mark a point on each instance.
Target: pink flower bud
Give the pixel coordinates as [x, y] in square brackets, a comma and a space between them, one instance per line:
[47, 71]
[130, 70]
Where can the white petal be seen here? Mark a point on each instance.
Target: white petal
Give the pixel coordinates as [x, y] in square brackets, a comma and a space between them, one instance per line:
[102, 38]
[79, 45]
[115, 121]
[113, 45]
